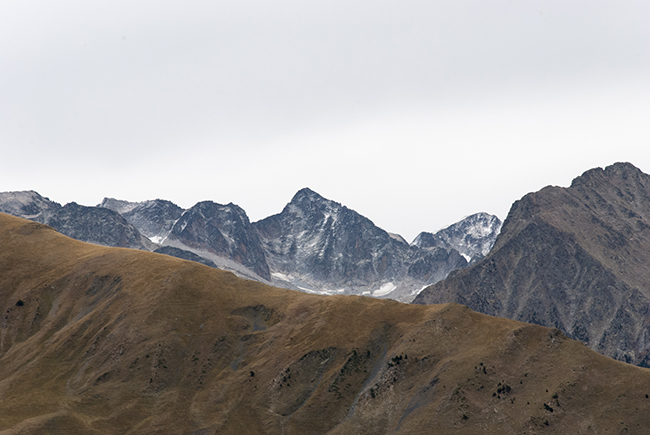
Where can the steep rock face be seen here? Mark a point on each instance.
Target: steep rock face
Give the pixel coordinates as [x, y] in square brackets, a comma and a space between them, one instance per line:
[97, 225]
[573, 258]
[473, 236]
[222, 230]
[320, 245]
[28, 205]
[154, 219]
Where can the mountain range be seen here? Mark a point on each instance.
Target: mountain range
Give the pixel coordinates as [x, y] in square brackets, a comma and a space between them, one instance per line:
[314, 245]
[98, 340]
[573, 258]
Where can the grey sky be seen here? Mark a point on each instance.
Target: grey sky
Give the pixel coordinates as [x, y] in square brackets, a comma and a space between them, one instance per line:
[413, 113]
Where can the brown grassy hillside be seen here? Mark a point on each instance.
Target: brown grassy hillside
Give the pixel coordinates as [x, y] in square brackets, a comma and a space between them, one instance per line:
[100, 340]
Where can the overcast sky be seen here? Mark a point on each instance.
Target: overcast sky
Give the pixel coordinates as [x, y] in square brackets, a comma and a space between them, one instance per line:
[413, 113]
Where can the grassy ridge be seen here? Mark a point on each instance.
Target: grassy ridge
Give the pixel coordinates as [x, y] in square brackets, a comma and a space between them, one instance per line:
[115, 341]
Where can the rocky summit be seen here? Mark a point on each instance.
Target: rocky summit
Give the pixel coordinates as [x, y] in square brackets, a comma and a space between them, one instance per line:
[572, 258]
[319, 245]
[97, 340]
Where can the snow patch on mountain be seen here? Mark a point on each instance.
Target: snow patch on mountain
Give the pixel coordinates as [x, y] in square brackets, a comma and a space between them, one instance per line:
[385, 289]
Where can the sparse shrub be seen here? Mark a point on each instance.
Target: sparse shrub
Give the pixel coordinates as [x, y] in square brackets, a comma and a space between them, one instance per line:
[20, 303]
[503, 388]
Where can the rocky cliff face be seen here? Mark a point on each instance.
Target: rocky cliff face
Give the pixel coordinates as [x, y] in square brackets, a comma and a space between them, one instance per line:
[473, 236]
[574, 258]
[319, 245]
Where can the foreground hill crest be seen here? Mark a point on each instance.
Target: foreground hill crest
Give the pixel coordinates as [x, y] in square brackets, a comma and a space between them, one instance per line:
[114, 341]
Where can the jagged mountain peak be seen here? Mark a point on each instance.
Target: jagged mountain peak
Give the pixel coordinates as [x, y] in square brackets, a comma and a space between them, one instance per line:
[316, 244]
[307, 194]
[306, 201]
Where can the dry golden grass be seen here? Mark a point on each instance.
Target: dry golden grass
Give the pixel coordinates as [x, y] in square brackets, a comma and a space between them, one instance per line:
[116, 341]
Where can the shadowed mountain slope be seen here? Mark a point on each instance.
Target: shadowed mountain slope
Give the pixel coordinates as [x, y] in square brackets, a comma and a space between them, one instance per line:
[573, 258]
[98, 340]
